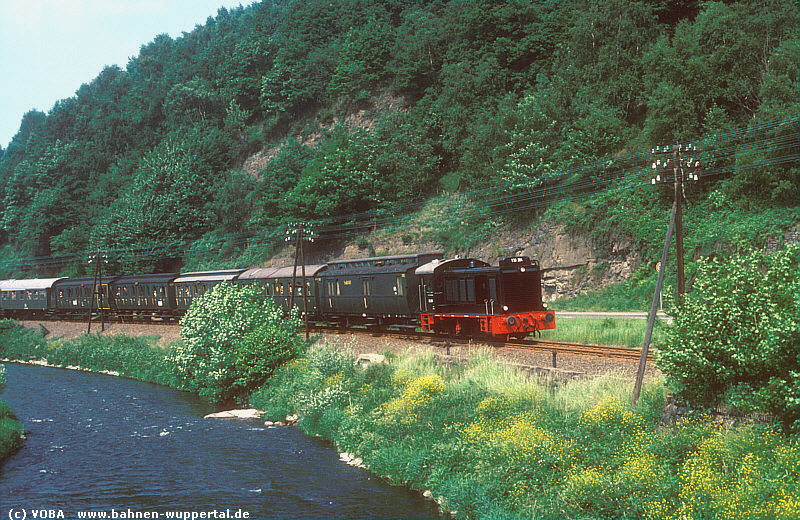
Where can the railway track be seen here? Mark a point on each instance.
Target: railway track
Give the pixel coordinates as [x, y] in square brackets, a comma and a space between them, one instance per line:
[560, 347]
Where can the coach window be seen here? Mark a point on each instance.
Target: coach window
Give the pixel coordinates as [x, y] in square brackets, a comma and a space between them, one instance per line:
[400, 287]
[334, 289]
[462, 290]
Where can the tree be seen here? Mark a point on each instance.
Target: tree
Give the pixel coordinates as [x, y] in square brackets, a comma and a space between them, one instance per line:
[341, 177]
[233, 339]
[735, 338]
[279, 177]
[362, 60]
[170, 200]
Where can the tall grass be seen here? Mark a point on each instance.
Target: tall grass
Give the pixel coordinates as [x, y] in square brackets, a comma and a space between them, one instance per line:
[633, 295]
[490, 443]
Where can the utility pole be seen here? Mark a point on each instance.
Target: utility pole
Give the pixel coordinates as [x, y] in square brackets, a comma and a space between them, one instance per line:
[651, 318]
[97, 292]
[302, 233]
[677, 171]
[681, 172]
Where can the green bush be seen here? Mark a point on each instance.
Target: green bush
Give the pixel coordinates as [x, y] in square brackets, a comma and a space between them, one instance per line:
[10, 430]
[19, 343]
[735, 338]
[233, 339]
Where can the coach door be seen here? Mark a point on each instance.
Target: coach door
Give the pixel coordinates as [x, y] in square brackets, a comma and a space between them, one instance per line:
[333, 290]
[102, 297]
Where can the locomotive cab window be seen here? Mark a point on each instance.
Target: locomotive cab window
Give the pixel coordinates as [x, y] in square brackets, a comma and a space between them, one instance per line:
[460, 290]
[485, 289]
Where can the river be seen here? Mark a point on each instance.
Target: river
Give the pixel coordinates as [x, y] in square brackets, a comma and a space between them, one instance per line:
[102, 443]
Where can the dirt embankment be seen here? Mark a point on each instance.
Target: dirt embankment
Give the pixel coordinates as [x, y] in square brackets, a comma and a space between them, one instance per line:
[70, 330]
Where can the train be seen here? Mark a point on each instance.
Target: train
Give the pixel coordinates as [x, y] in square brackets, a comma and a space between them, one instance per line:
[460, 297]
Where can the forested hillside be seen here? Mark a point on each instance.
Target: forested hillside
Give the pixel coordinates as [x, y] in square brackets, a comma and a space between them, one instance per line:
[354, 113]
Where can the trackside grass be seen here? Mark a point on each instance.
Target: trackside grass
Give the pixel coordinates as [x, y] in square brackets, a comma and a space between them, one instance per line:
[622, 332]
[488, 443]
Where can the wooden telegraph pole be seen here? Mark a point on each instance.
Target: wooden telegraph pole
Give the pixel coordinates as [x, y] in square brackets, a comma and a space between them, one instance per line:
[97, 293]
[681, 172]
[302, 233]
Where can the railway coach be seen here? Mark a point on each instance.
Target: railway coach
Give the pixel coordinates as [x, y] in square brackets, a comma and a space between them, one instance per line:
[376, 292]
[27, 298]
[276, 283]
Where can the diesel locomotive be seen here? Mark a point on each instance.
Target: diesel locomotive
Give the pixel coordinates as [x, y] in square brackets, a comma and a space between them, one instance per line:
[456, 297]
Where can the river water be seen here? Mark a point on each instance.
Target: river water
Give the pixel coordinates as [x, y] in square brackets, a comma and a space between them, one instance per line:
[108, 444]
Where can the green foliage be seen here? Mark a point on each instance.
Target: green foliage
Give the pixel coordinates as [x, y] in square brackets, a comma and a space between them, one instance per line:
[369, 106]
[360, 64]
[137, 358]
[491, 443]
[736, 335]
[20, 343]
[233, 339]
[170, 198]
[11, 437]
[342, 176]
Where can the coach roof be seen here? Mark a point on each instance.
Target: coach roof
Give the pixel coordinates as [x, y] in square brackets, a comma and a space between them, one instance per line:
[25, 285]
